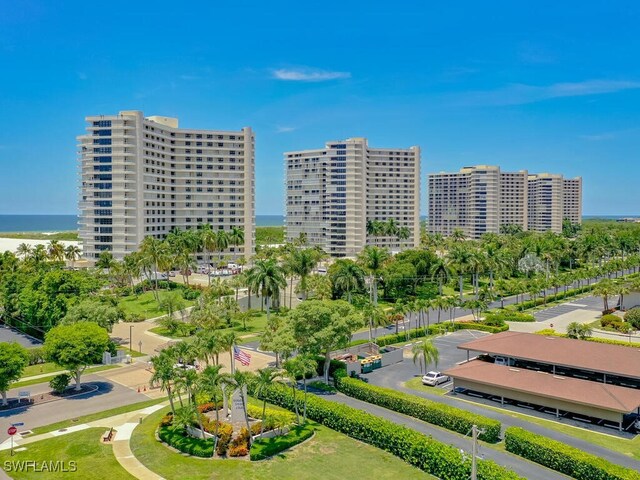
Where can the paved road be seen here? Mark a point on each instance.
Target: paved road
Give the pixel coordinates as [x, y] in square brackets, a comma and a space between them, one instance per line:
[8, 334]
[109, 395]
[585, 303]
[394, 376]
[529, 470]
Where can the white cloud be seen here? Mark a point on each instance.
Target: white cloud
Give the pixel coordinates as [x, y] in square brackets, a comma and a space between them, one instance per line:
[307, 75]
[518, 94]
[283, 129]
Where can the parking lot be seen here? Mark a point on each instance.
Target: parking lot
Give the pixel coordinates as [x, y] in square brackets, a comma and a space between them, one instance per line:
[586, 303]
[449, 355]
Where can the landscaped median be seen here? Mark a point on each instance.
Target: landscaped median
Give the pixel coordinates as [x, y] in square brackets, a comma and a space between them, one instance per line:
[444, 416]
[564, 458]
[264, 448]
[422, 451]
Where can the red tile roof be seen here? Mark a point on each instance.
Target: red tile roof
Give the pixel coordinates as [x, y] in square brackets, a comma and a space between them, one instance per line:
[573, 390]
[596, 357]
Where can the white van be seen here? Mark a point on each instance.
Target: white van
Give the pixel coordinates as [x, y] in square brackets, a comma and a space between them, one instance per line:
[505, 361]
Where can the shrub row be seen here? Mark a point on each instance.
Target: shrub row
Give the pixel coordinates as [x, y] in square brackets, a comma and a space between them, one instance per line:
[564, 458]
[268, 447]
[178, 439]
[527, 304]
[433, 330]
[609, 341]
[508, 316]
[444, 416]
[413, 447]
[616, 323]
[633, 317]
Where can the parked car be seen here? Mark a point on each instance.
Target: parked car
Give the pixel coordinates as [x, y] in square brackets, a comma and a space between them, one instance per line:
[434, 378]
[505, 361]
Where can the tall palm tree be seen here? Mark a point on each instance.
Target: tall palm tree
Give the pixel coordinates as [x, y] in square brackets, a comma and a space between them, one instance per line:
[348, 277]
[55, 250]
[425, 352]
[23, 250]
[373, 260]
[208, 242]
[39, 254]
[236, 237]
[308, 366]
[265, 377]
[374, 316]
[221, 243]
[604, 288]
[267, 277]
[164, 373]
[458, 259]
[72, 253]
[440, 270]
[302, 262]
[153, 250]
[208, 344]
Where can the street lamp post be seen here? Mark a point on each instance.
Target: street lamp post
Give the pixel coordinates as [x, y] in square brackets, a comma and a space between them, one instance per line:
[130, 338]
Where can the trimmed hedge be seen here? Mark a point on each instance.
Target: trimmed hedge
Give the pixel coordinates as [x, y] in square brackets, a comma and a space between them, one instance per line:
[178, 439]
[509, 316]
[422, 451]
[434, 329]
[609, 341]
[564, 458]
[444, 416]
[268, 447]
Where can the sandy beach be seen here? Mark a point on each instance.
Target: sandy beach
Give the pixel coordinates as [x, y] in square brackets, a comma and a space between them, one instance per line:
[11, 244]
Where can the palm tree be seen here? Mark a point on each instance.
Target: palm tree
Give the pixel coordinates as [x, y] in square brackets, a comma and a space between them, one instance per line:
[208, 242]
[604, 288]
[208, 344]
[153, 250]
[301, 263]
[373, 259]
[212, 383]
[72, 253]
[55, 251]
[375, 316]
[458, 259]
[621, 288]
[164, 373]
[236, 237]
[440, 270]
[23, 250]
[267, 277]
[425, 352]
[263, 380]
[221, 243]
[348, 277]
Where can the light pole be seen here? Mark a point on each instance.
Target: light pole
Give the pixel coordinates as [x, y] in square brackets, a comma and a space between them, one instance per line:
[130, 339]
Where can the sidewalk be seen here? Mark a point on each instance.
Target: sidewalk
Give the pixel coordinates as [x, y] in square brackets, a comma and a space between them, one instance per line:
[123, 424]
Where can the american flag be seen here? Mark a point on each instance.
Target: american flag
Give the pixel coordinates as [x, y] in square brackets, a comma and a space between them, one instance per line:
[243, 357]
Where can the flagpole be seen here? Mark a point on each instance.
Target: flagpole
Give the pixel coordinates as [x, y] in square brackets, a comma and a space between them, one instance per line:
[233, 359]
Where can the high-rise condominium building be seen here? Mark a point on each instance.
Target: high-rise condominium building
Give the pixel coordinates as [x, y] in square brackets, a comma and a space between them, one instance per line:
[334, 192]
[482, 199]
[143, 176]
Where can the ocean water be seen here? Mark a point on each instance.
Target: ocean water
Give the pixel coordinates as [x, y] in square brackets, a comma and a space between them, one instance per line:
[64, 223]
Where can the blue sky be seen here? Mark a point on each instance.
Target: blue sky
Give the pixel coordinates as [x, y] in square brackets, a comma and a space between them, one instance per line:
[542, 85]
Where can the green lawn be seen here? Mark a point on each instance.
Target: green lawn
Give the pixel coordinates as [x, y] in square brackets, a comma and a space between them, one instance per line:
[72, 235]
[328, 455]
[93, 458]
[96, 416]
[256, 325]
[41, 369]
[612, 442]
[145, 304]
[35, 381]
[416, 384]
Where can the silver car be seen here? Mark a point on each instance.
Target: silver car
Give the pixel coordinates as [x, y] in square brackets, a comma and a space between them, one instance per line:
[434, 378]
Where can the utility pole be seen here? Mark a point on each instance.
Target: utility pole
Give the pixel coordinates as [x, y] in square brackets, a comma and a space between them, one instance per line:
[474, 452]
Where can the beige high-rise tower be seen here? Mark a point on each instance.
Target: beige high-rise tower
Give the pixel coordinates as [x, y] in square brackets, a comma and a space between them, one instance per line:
[333, 192]
[143, 176]
[482, 199]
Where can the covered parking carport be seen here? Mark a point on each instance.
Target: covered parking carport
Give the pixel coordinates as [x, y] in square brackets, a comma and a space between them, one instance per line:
[606, 402]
